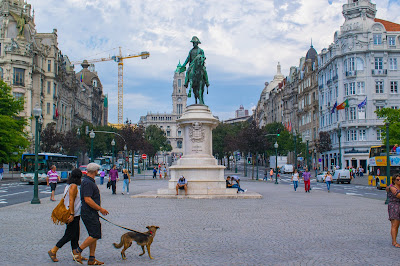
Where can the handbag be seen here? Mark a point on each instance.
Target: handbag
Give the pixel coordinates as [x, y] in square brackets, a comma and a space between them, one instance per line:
[60, 213]
[108, 184]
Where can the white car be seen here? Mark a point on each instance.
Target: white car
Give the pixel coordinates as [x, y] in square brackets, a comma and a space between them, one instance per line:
[342, 176]
[287, 168]
[321, 176]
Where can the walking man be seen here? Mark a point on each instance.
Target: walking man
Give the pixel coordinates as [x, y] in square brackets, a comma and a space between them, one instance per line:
[113, 176]
[1, 171]
[155, 172]
[307, 180]
[91, 205]
[52, 178]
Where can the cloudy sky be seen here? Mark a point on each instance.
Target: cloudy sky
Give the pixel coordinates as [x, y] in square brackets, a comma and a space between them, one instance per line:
[243, 41]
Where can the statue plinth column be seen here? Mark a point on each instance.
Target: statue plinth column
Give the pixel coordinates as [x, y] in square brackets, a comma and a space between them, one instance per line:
[197, 165]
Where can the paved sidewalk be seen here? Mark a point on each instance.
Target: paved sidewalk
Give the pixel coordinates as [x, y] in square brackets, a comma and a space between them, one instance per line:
[283, 228]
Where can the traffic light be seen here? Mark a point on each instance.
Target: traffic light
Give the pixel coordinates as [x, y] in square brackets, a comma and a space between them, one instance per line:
[248, 160]
[278, 131]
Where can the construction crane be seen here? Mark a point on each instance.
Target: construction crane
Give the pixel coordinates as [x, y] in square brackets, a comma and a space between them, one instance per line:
[120, 60]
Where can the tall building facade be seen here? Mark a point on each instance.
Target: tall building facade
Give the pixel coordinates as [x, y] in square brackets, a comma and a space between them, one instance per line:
[37, 71]
[359, 69]
[167, 122]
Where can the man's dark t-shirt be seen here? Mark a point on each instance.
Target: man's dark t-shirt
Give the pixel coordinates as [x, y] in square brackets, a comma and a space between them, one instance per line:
[228, 183]
[89, 189]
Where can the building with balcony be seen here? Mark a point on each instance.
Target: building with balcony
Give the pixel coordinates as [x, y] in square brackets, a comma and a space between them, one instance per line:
[36, 70]
[167, 121]
[360, 65]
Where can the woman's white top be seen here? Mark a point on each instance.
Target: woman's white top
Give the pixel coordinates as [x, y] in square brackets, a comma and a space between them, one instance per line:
[328, 177]
[77, 203]
[295, 177]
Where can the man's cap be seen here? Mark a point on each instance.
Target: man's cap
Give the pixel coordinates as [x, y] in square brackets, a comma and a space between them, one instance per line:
[93, 167]
[181, 176]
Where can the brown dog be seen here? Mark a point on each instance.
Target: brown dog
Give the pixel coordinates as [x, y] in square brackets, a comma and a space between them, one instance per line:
[142, 239]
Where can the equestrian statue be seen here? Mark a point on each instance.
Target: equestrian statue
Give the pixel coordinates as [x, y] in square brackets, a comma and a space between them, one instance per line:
[196, 73]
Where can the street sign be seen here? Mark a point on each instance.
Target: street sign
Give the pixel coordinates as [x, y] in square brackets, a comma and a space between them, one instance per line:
[144, 156]
[378, 171]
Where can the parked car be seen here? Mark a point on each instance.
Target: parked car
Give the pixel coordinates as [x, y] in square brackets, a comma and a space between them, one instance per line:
[287, 168]
[342, 176]
[321, 176]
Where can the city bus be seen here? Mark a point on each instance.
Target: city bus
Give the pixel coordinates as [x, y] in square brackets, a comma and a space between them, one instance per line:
[104, 162]
[377, 166]
[64, 163]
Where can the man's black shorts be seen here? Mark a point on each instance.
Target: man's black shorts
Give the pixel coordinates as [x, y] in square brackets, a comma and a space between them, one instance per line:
[182, 187]
[53, 186]
[92, 223]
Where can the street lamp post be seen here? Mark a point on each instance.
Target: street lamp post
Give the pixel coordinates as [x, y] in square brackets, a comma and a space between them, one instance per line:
[257, 165]
[112, 145]
[91, 135]
[387, 162]
[276, 162]
[295, 149]
[236, 162]
[37, 112]
[126, 155]
[339, 134]
[315, 161]
[307, 154]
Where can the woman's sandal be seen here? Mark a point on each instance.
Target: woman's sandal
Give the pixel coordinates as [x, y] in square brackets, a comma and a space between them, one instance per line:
[95, 262]
[77, 257]
[53, 256]
[397, 245]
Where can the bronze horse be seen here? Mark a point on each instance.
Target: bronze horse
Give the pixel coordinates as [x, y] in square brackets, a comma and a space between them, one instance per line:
[198, 78]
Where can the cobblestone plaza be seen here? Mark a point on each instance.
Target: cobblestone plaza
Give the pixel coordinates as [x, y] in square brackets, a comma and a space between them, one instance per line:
[283, 228]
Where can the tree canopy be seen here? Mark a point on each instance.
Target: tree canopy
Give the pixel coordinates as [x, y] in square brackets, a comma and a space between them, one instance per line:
[391, 116]
[13, 138]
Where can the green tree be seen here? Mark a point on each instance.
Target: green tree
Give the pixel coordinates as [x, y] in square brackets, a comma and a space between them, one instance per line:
[324, 143]
[13, 138]
[155, 136]
[391, 116]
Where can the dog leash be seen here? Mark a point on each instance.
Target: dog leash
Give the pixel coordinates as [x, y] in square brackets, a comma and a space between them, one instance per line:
[118, 225]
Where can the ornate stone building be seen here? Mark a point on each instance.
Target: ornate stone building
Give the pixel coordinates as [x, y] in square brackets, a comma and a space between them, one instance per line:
[33, 66]
[167, 122]
[360, 67]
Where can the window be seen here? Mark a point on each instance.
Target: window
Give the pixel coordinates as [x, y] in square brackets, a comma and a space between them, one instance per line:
[361, 113]
[393, 87]
[179, 144]
[179, 133]
[351, 135]
[55, 90]
[346, 89]
[378, 63]
[363, 135]
[379, 86]
[361, 87]
[48, 108]
[352, 88]
[337, 91]
[1, 73]
[379, 107]
[379, 134]
[94, 83]
[54, 110]
[392, 40]
[48, 87]
[168, 133]
[48, 65]
[179, 83]
[351, 64]
[360, 64]
[19, 76]
[394, 107]
[377, 38]
[393, 63]
[18, 95]
[352, 113]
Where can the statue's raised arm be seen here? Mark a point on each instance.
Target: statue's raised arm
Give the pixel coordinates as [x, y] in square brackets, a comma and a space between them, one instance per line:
[196, 73]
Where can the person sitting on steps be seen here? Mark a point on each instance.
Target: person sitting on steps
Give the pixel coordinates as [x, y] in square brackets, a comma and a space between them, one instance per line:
[182, 184]
[230, 185]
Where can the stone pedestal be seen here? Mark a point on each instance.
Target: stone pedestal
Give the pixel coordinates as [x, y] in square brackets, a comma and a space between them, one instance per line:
[198, 166]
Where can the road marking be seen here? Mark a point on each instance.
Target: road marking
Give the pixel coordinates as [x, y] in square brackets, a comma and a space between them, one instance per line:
[316, 188]
[354, 194]
[3, 202]
[14, 193]
[371, 193]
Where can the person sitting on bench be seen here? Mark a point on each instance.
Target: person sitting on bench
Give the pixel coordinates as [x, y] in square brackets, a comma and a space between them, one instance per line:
[230, 185]
[182, 184]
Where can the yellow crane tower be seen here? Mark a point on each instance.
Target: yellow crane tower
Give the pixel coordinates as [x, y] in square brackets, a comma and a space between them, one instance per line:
[120, 60]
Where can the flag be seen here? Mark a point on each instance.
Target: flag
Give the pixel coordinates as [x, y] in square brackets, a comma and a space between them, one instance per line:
[290, 126]
[363, 103]
[56, 112]
[343, 105]
[334, 108]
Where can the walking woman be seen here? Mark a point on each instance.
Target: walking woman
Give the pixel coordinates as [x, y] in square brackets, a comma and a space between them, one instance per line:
[307, 180]
[328, 180]
[72, 201]
[295, 179]
[127, 180]
[394, 208]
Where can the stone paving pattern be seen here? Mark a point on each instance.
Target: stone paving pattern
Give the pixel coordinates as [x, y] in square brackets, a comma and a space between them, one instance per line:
[282, 228]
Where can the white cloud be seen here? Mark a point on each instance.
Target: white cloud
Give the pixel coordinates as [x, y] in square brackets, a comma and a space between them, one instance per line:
[242, 40]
